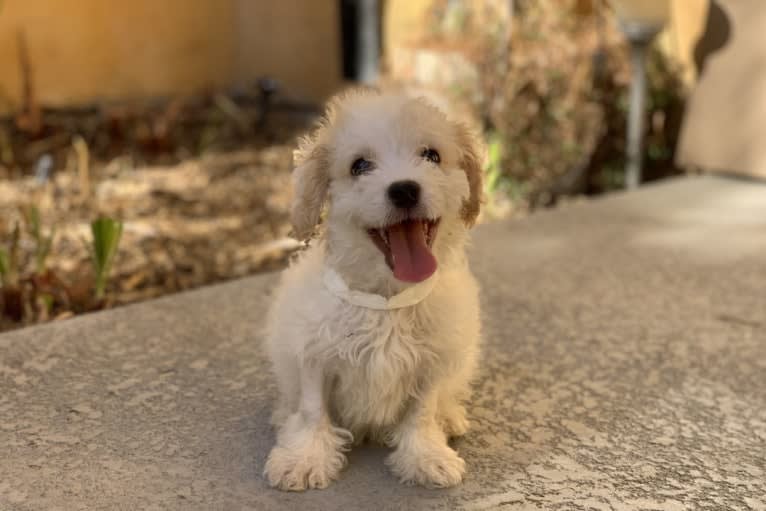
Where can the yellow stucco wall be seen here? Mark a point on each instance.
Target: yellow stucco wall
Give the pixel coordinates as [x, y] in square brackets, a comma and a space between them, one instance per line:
[85, 50]
[297, 41]
[81, 50]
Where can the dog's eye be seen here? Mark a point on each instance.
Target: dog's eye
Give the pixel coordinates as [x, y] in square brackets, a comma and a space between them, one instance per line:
[360, 166]
[431, 155]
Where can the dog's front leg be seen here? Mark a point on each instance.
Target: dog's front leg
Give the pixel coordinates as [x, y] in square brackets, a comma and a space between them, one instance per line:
[309, 450]
[421, 452]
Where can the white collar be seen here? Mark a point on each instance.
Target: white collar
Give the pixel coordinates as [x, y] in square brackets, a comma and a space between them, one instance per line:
[412, 295]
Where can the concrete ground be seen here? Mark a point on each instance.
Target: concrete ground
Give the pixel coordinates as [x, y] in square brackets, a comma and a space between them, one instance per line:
[625, 368]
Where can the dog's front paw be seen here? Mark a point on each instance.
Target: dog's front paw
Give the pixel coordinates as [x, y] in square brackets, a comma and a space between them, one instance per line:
[300, 469]
[435, 466]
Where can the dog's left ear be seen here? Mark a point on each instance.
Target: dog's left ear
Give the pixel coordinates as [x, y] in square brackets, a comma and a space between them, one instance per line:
[471, 160]
[310, 182]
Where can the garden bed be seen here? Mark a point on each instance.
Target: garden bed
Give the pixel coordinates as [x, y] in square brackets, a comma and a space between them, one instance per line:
[206, 201]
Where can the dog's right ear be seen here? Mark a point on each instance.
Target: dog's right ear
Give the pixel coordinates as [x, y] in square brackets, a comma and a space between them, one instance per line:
[310, 182]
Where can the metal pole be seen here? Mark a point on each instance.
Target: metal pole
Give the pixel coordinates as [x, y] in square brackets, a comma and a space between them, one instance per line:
[368, 55]
[636, 116]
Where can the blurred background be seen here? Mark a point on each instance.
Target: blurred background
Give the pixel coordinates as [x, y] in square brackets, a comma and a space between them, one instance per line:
[145, 146]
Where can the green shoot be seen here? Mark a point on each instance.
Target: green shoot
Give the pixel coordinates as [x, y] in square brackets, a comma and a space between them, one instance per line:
[9, 261]
[106, 238]
[3, 266]
[45, 302]
[42, 243]
[494, 170]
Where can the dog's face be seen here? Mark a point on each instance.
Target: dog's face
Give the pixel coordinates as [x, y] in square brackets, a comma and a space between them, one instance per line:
[402, 180]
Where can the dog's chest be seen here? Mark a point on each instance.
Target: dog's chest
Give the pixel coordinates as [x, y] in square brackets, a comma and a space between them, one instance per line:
[369, 337]
[379, 361]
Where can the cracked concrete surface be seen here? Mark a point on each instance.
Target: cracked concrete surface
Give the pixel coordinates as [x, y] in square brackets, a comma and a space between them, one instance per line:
[624, 368]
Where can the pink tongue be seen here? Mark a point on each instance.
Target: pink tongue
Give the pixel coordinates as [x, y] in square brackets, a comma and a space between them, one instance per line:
[413, 260]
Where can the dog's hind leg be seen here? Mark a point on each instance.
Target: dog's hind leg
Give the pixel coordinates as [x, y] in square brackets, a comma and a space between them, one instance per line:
[452, 417]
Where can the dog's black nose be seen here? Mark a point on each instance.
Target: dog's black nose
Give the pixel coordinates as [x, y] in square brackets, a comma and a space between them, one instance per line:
[404, 194]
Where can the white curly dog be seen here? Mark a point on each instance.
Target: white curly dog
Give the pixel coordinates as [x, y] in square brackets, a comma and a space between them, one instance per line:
[374, 330]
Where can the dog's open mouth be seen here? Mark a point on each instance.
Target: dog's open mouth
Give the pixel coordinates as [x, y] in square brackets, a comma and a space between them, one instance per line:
[407, 248]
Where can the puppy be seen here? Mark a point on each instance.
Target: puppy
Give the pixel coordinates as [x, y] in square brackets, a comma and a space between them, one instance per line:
[374, 331]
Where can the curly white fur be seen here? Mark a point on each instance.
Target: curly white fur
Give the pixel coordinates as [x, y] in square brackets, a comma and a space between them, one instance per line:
[346, 372]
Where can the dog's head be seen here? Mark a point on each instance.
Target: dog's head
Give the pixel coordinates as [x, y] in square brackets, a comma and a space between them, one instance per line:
[402, 180]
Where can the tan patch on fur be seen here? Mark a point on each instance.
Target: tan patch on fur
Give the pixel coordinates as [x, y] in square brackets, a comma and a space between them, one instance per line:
[472, 163]
[310, 182]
